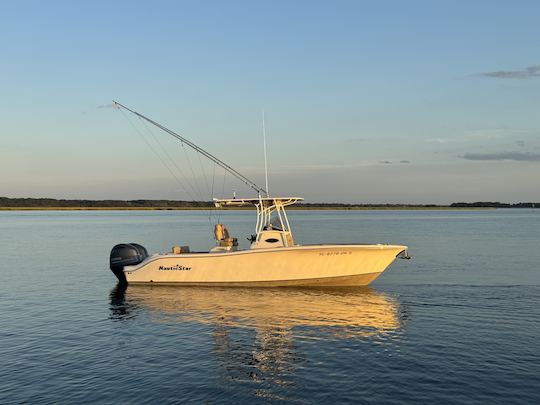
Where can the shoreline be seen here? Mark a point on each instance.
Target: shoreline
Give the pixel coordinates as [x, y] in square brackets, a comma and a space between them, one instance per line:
[53, 204]
[326, 208]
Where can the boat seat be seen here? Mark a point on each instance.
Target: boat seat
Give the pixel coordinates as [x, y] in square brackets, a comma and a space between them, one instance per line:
[176, 250]
[228, 242]
[222, 236]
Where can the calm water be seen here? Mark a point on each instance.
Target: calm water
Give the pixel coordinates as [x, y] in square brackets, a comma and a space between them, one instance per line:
[460, 323]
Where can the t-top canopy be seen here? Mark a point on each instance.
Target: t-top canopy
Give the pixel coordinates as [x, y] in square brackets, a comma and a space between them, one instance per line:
[264, 201]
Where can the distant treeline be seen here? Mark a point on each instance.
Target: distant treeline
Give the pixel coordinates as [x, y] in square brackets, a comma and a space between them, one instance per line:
[164, 204]
[490, 204]
[51, 202]
[341, 205]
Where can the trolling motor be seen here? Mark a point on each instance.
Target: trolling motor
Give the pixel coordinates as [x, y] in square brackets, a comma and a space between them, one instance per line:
[126, 254]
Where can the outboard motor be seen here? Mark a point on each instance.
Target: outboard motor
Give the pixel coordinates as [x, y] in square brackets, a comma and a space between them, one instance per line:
[126, 254]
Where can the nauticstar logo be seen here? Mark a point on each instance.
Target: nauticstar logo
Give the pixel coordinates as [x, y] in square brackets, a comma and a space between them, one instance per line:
[175, 267]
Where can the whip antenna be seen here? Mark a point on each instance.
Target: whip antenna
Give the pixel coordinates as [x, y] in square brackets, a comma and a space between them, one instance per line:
[265, 160]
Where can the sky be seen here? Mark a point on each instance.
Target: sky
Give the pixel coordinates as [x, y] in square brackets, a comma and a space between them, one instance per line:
[366, 102]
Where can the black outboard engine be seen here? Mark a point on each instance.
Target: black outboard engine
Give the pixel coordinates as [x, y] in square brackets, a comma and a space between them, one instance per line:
[126, 254]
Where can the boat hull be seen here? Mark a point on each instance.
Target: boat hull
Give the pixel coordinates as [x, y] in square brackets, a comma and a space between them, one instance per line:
[315, 265]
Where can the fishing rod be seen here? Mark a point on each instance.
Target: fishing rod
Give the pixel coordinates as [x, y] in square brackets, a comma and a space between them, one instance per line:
[208, 155]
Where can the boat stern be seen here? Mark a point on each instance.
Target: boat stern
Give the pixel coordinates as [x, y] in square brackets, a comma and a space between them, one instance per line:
[126, 254]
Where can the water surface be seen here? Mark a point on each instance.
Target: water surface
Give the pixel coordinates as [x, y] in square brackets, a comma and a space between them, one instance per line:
[457, 324]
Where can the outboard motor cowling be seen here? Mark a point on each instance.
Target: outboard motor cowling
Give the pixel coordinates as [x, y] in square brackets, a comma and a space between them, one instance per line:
[126, 254]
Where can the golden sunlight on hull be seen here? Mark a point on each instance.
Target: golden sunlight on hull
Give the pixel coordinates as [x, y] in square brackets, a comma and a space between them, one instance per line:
[318, 265]
[346, 281]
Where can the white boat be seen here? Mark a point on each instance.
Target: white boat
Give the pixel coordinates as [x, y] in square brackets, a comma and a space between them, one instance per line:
[273, 259]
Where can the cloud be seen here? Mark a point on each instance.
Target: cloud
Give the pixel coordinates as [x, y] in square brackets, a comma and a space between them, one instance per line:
[469, 136]
[388, 162]
[517, 156]
[528, 73]
[520, 143]
[486, 133]
[442, 140]
[480, 135]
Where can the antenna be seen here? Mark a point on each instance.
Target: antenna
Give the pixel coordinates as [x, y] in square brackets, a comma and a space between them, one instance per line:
[265, 160]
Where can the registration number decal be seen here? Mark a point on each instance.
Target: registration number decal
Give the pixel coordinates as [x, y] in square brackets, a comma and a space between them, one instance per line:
[338, 253]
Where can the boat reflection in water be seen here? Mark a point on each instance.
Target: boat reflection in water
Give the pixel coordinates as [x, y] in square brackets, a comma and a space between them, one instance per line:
[344, 311]
[258, 334]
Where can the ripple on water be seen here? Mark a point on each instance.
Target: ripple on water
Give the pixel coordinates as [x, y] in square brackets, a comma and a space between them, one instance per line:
[445, 327]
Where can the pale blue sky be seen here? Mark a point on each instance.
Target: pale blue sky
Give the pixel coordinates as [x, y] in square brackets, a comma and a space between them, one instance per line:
[365, 101]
